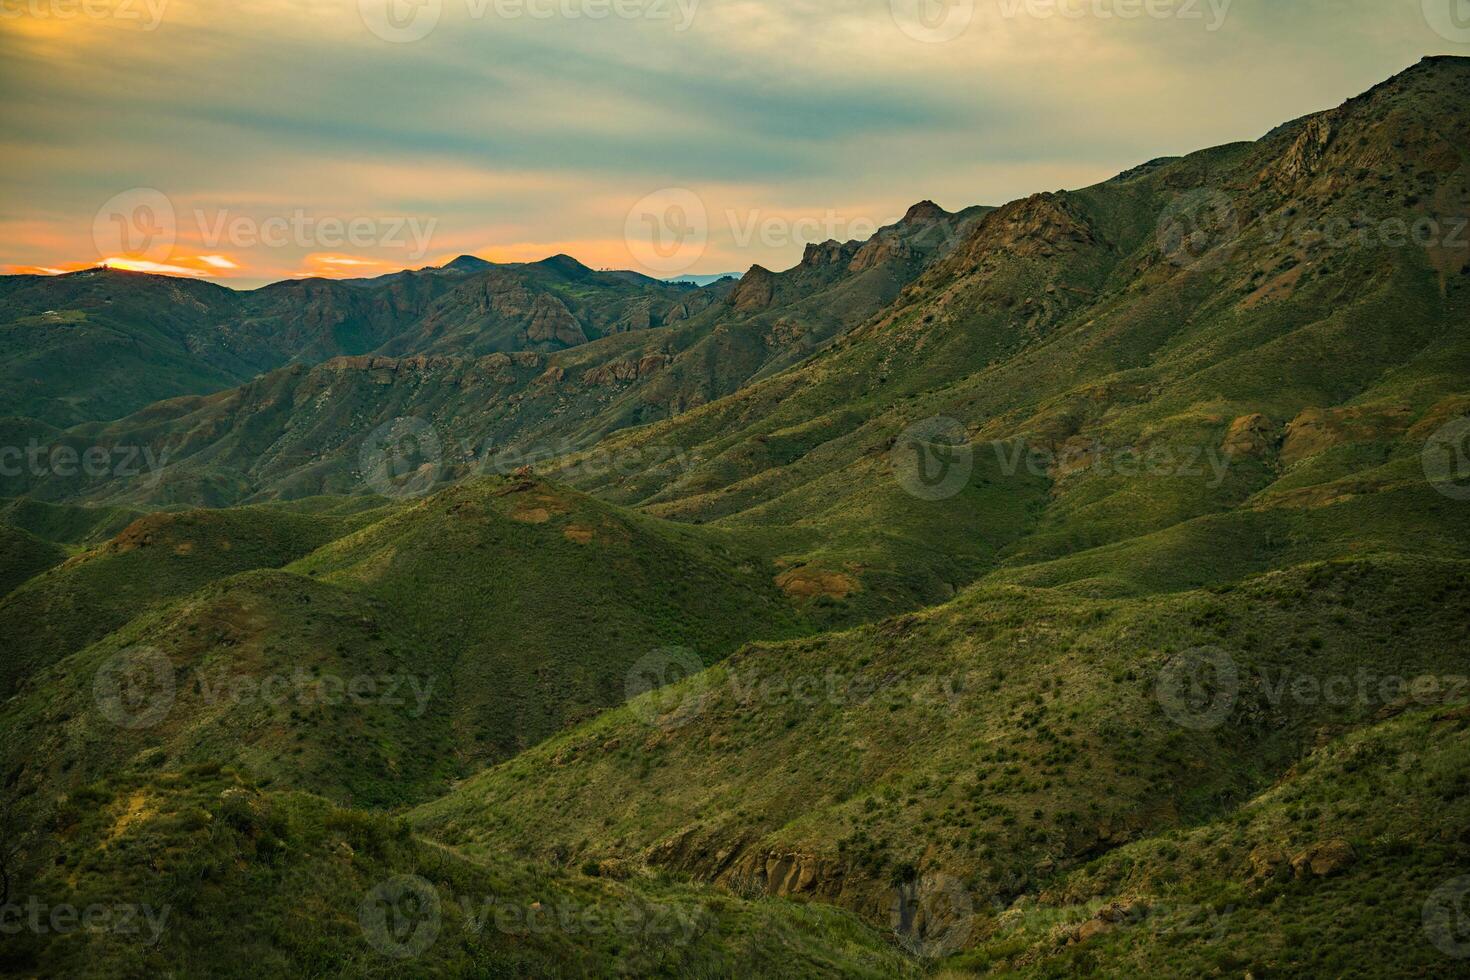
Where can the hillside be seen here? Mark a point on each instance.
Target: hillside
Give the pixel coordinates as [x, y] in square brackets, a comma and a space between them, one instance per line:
[514, 364]
[496, 612]
[103, 343]
[226, 880]
[1034, 737]
[152, 561]
[1074, 587]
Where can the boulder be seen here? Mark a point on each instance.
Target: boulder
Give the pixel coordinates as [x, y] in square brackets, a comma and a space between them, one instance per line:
[1324, 860]
[1249, 435]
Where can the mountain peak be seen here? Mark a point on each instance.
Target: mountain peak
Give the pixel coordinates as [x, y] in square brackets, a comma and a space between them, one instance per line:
[467, 263]
[755, 290]
[924, 212]
[565, 264]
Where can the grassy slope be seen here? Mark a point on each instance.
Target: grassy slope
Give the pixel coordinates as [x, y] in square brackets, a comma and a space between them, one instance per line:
[256, 883]
[23, 556]
[542, 600]
[66, 524]
[503, 611]
[152, 561]
[997, 740]
[1222, 897]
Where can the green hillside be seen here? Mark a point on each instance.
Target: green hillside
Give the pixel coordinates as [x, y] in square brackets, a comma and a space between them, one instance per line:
[226, 880]
[1078, 587]
[152, 561]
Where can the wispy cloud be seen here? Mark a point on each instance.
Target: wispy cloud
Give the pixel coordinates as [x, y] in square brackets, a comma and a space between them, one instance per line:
[523, 136]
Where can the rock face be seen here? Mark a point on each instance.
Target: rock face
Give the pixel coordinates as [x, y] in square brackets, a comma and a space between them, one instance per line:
[1306, 152]
[1249, 435]
[1316, 430]
[780, 875]
[551, 321]
[625, 371]
[830, 252]
[755, 290]
[1324, 860]
[1267, 862]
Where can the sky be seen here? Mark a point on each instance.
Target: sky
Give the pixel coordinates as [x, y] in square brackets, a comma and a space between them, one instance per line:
[246, 141]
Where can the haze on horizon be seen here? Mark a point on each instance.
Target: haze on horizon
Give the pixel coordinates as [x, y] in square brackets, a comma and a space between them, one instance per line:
[256, 140]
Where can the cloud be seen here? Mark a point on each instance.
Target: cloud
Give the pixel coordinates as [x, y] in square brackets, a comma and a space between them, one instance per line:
[510, 134]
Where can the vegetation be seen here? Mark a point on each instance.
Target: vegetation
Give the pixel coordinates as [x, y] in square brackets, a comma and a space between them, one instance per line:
[1074, 587]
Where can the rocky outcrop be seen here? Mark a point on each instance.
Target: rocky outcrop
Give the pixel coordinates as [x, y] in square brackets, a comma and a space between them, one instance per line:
[880, 250]
[625, 371]
[1249, 436]
[1267, 863]
[831, 252]
[755, 291]
[781, 875]
[552, 322]
[1318, 429]
[1324, 860]
[1306, 152]
[638, 317]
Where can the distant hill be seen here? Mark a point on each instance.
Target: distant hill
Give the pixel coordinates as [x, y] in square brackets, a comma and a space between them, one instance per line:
[704, 280]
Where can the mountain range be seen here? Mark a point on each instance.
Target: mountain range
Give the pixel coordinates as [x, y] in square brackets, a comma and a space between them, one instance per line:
[1078, 586]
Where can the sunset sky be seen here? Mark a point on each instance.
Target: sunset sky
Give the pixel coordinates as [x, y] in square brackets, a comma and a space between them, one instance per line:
[251, 140]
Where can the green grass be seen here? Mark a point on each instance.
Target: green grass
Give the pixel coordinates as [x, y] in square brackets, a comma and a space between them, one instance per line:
[243, 882]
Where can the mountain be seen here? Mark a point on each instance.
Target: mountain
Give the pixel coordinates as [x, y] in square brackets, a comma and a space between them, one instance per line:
[99, 344]
[1073, 587]
[588, 353]
[704, 280]
[487, 600]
